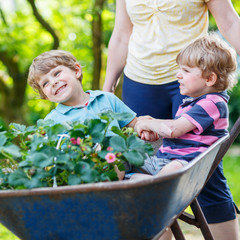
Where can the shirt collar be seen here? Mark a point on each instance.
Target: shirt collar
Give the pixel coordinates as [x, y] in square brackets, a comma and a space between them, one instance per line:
[64, 108]
[223, 95]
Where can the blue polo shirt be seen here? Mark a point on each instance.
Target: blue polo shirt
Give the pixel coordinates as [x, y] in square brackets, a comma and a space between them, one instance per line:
[99, 102]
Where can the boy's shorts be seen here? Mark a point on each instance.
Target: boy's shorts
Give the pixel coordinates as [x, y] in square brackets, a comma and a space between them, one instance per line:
[152, 165]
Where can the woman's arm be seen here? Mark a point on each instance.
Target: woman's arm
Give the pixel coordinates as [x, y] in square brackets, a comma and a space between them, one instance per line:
[118, 46]
[227, 20]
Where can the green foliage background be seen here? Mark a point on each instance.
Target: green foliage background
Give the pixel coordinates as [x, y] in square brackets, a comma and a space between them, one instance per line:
[24, 38]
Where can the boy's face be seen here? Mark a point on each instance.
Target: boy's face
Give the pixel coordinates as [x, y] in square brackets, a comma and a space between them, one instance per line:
[61, 85]
[191, 81]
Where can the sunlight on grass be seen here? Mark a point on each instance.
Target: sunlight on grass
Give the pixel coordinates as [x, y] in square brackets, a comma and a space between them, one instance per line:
[231, 165]
[5, 234]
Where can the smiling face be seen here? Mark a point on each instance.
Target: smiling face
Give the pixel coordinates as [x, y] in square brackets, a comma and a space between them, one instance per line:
[61, 85]
[192, 83]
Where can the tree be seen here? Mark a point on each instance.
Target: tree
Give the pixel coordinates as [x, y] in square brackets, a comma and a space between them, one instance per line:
[97, 42]
[27, 32]
[12, 96]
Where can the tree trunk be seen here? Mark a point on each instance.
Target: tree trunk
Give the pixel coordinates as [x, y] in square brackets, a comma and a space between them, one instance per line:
[97, 42]
[12, 97]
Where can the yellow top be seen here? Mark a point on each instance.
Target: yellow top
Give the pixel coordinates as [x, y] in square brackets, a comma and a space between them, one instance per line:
[161, 28]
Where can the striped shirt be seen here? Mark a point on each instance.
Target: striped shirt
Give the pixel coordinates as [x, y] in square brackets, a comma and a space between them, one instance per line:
[209, 113]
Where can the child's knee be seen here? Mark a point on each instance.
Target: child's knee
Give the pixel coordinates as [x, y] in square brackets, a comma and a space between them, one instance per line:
[171, 167]
[140, 176]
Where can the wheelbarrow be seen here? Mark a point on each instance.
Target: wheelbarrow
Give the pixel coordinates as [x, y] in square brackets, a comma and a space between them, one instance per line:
[127, 210]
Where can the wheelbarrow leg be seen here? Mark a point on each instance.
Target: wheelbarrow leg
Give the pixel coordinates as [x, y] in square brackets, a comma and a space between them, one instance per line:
[177, 232]
[197, 211]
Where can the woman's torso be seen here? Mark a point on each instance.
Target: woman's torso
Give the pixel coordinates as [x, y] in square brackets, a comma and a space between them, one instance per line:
[161, 28]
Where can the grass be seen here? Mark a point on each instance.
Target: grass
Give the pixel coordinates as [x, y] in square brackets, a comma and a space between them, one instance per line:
[231, 166]
[6, 234]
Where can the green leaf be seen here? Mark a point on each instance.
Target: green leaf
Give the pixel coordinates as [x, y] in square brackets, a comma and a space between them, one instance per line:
[31, 129]
[3, 139]
[63, 159]
[102, 154]
[90, 176]
[134, 158]
[104, 117]
[37, 141]
[112, 175]
[117, 131]
[148, 149]
[86, 173]
[104, 177]
[17, 178]
[25, 163]
[135, 143]
[121, 167]
[95, 126]
[78, 126]
[13, 150]
[45, 123]
[97, 137]
[118, 143]
[40, 159]
[120, 116]
[82, 167]
[35, 182]
[54, 131]
[74, 179]
[77, 133]
[17, 128]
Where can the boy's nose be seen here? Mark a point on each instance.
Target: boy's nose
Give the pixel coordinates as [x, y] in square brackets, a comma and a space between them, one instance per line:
[178, 75]
[54, 82]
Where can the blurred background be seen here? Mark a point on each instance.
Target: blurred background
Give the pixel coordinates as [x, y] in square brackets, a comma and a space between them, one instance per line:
[30, 27]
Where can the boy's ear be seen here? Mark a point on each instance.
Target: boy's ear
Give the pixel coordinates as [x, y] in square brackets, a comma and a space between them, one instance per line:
[211, 80]
[78, 70]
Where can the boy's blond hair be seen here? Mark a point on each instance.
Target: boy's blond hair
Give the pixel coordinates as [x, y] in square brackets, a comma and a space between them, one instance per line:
[45, 62]
[211, 54]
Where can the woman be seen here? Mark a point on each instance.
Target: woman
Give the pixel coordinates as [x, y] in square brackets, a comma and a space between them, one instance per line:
[147, 36]
[146, 42]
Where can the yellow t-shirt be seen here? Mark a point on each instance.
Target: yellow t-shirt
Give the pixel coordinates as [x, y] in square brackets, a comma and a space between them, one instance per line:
[161, 28]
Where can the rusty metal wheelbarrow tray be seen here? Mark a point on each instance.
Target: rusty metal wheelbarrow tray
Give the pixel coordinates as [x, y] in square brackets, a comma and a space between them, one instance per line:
[124, 210]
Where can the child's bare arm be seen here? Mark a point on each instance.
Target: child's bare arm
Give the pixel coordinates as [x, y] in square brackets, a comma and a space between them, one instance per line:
[145, 135]
[132, 123]
[166, 128]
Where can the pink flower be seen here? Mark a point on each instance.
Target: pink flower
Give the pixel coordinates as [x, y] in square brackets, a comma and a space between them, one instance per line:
[73, 140]
[110, 157]
[78, 140]
[109, 148]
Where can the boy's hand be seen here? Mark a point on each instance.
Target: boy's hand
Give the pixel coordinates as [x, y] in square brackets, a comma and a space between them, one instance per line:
[143, 124]
[149, 136]
[141, 127]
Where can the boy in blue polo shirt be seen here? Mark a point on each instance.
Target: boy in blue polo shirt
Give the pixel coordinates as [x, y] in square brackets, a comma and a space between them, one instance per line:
[57, 76]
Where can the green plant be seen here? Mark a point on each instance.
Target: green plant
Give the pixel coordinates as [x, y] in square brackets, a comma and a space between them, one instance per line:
[49, 154]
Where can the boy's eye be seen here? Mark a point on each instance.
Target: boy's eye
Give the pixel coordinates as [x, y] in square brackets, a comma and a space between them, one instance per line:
[44, 84]
[57, 73]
